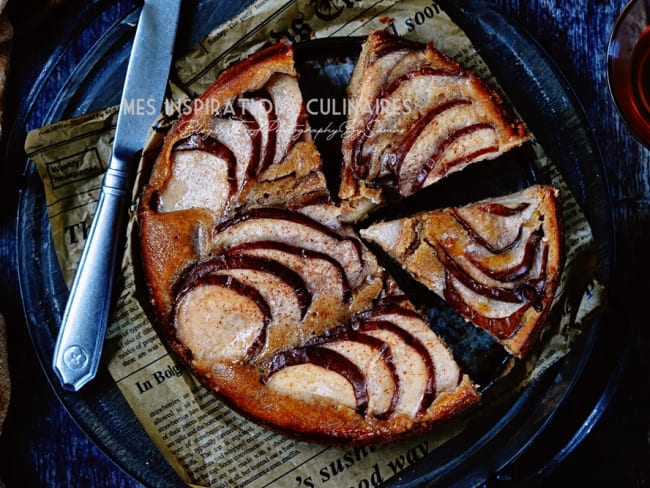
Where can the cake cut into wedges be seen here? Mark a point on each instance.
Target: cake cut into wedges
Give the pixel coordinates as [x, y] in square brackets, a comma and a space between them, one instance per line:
[416, 116]
[263, 294]
[496, 262]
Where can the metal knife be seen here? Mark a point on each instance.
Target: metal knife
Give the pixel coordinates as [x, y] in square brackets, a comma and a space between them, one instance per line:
[79, 344]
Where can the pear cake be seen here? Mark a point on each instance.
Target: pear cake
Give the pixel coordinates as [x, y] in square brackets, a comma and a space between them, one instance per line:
[496, 262]
[417, 116]
[260, 286]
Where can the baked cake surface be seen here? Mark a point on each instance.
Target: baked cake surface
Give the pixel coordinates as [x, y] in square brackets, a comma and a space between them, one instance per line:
[416, 116]
[496, 262]
[262, 292]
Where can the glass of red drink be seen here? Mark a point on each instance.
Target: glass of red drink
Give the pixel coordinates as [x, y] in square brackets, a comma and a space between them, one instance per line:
[628, 67]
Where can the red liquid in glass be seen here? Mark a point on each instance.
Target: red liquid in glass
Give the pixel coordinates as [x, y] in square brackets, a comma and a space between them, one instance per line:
[641, 73]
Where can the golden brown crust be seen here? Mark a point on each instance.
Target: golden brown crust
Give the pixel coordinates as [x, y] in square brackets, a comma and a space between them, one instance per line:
[319, 420]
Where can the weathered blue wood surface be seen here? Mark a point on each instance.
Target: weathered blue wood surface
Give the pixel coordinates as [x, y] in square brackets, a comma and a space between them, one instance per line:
[42, 446]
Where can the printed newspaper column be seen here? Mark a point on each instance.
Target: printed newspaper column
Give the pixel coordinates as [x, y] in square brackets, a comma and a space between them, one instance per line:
[71, 158]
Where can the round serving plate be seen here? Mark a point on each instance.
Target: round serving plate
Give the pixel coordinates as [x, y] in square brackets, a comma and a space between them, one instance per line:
[85, 73]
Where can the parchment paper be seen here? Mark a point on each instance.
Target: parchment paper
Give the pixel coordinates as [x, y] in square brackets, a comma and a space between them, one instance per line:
[206, 442]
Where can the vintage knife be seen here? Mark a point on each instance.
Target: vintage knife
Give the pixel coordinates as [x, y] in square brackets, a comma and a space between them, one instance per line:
[79, 344]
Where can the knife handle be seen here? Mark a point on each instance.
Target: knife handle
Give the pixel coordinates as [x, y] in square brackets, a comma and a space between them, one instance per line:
[79, 344]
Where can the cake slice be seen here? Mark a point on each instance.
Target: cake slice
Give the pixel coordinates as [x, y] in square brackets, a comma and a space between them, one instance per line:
[250, 126]
[496, 262]
[416, 116]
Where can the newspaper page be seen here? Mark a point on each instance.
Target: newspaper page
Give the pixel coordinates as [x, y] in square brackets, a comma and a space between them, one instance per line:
[208, 444]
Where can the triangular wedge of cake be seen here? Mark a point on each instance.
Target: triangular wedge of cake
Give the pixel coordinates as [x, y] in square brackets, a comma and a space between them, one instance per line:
[259, 289]
[496, 262]
[415, 116]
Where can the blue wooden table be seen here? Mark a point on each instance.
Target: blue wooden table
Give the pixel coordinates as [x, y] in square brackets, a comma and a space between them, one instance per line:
[42, 446]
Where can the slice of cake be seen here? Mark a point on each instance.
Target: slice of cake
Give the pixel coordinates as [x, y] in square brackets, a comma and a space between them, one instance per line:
[496, 262]
[416, 116]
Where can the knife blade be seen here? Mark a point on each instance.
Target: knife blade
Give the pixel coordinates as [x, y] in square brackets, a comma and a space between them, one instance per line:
[80, 340]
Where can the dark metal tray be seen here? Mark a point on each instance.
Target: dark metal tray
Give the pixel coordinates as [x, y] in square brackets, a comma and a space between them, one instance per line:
[85, 72]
